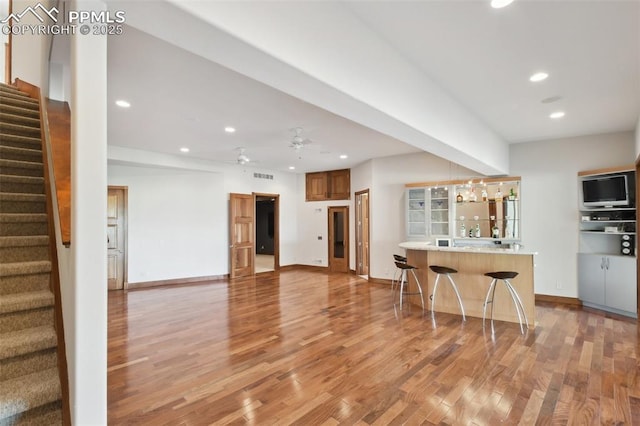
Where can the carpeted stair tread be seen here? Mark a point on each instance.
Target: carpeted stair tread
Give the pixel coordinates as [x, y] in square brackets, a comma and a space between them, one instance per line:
[19, 119]
[45, 415]
[26, 241]
[20, 154]
[7, 88]
[21, 342]
[11, 98]
[15, 167]
[27, 392]
[24, 301]
[20, 164]
[19, 129]
[16, 110]
[18, 224]
[13, 196]
[22, 184]
[30, 142]
[22, 217]
[25, 268]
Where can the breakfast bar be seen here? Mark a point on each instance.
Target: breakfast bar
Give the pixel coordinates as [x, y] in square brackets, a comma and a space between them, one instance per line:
[472, 262]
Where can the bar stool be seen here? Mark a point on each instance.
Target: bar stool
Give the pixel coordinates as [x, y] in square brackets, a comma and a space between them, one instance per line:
[443, 270]
[403, 267]
[398, 271]
[504, 276]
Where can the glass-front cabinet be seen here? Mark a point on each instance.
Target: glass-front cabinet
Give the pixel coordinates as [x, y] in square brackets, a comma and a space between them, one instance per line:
[428, 212]
[416, 213]
[439, 202]
[473, 209]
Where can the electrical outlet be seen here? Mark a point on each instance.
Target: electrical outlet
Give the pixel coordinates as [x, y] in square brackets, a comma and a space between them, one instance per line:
[558, 285]
[319, 237]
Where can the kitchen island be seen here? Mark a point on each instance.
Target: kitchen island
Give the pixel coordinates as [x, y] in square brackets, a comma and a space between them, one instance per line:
[472, 263]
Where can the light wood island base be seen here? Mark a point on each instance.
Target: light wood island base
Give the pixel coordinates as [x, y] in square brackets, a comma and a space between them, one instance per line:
[472, 264]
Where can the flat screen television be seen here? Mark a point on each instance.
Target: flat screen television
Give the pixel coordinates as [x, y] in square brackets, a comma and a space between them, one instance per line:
[605, 191]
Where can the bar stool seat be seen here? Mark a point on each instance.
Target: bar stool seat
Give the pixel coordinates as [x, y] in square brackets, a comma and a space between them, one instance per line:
[504, 276]
[405, 268]
[398, 271]
[444, 270]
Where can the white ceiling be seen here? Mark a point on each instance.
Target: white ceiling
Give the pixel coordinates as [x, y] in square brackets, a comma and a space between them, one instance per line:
[480, 57]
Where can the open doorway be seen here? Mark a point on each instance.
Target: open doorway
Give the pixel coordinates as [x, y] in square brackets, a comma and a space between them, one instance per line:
[339, 239]
[266, 219]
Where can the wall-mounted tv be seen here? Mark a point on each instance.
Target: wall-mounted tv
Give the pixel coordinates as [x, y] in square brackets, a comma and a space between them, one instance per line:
[605, 191]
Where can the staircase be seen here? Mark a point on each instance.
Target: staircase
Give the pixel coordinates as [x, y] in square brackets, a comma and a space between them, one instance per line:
[30, 391]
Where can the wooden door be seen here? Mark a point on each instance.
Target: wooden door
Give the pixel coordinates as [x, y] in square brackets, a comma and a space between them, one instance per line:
[116, 237]
[241, 235]
[362, 232]
[339, 239]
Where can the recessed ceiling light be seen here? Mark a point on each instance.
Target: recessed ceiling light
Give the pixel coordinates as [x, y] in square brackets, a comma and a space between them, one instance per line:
[184, 149]
[122, 103]
[344, 156]
[292, 167]
[557, 114]
[229, 129]
[498, 4]
[539, 76]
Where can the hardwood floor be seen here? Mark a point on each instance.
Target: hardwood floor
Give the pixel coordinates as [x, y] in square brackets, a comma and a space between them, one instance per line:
[305, 347]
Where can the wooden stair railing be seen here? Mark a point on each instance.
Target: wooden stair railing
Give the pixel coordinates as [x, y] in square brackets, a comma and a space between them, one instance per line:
[34, 93]
[59, 120]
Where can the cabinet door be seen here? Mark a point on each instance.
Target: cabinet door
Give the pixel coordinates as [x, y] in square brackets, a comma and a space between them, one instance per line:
[591, 278]
[316, 186]
[621, 290]
[439, 206]
[340, 184]
[416, 213]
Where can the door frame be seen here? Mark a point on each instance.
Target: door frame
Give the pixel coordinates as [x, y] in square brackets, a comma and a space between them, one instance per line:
[125, 266]
[366, 253]
[276, 226]
[330, 211]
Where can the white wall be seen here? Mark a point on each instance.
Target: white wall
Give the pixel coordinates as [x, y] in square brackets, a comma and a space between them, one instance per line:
[85, 314]
[199, 194]
[176, 223]
[30, 53]
[550, 218]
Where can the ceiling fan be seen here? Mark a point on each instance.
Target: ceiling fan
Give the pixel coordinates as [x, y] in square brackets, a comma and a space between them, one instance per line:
[298, 142]
[242, 157]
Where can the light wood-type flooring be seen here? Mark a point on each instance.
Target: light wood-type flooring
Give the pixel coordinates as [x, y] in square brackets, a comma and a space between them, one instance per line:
[307, 347]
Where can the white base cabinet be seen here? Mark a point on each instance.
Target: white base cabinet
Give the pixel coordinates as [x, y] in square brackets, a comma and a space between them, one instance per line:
[608, 282]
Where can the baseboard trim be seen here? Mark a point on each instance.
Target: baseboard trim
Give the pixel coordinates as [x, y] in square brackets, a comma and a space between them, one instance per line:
[174, 281]
[573, 301]
[305, 267]
[379, 281]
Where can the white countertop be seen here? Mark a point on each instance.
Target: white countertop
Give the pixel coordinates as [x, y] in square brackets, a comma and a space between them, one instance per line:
[420, 245]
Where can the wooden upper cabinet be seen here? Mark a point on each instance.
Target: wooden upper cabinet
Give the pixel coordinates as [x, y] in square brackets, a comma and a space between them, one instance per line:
[340, 184]
[316, 188]
[331, 185]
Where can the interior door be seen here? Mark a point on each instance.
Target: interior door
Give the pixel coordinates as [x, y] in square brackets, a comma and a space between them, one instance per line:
[339, 239]
[241, 235]
[116, 232]
[362, 232]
